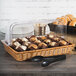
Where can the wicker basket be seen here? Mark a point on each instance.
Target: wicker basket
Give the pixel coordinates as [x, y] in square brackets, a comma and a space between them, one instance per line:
[20, 56]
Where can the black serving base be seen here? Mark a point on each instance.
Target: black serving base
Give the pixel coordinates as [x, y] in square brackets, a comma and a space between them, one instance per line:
[62, 29]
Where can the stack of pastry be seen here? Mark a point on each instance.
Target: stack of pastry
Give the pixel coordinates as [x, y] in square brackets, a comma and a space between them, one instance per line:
[37, 42]
[68, 19]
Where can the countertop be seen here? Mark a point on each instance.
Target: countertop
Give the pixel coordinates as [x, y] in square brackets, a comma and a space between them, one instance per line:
[11, 67]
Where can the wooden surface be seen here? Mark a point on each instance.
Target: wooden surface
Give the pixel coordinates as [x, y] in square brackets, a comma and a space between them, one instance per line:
[11, 67]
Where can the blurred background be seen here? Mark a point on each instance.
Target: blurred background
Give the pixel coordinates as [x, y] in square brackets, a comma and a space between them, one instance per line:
[27, 10]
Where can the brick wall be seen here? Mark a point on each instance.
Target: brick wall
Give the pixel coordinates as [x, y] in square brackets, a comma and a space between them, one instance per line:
[25, 10]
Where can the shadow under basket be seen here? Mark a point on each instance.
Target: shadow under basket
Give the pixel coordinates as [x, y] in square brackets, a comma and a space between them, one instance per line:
[21, 56]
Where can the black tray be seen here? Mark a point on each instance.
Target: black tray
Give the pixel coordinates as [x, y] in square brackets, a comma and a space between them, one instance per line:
[71, 30]
[62, 28]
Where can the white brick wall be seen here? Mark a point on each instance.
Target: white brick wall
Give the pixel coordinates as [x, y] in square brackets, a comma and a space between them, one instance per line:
[15, 10]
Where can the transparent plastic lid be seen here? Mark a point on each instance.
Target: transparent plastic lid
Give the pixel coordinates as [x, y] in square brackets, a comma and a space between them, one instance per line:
[26, 29]
[18, 30]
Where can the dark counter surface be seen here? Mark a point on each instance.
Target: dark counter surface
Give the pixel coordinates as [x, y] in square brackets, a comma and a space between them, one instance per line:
[9, 66]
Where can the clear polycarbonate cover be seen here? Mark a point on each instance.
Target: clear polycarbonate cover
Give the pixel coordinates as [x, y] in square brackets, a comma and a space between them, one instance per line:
[19, 30]
[26, 29]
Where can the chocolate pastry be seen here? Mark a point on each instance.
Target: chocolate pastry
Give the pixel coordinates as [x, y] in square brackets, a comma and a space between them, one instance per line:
[32, 47]
[21, 48]
[19, 40]
[56, 39]
[42, 45]
[37, 42]
[26, 43]
[13, 40]
[33, 38]
[47, 41]
[50, 36]
[53, 44]
[24, 39]
[63, 42]
[42, 38]
[15, 44]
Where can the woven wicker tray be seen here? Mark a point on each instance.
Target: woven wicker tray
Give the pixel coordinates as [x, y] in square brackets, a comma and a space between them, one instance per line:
[20, 56]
